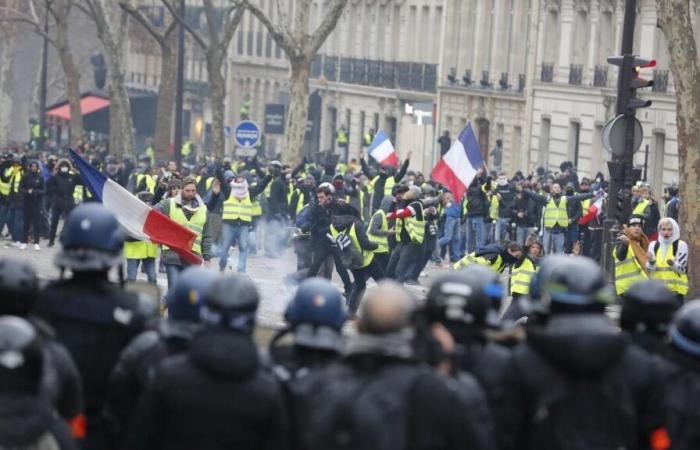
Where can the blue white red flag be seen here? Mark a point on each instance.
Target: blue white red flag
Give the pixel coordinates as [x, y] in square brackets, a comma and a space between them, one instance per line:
[382, 150]
[138, 219]
[459, 165]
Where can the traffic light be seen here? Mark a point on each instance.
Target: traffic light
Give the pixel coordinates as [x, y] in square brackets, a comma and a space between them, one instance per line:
[622, 205]
[629, 81]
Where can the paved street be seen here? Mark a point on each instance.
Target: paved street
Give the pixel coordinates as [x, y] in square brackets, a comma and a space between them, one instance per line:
[267, 273]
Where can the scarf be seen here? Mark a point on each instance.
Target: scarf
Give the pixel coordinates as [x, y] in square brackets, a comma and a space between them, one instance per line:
[639, 246]
[239, 190]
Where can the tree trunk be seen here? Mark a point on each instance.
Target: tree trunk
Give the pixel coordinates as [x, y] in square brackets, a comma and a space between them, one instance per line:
[674, 20]
[217, 94]
[298, 110]
[166, 97]
[72, 81]
[7, 58]
[121, 132]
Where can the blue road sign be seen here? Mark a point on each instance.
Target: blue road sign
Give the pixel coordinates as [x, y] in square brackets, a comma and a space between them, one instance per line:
[247, 134]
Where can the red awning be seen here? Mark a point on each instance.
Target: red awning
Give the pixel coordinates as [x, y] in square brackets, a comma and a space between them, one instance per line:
[88, 104]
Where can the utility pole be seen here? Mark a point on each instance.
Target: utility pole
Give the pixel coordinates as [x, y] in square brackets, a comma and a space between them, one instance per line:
[43, 88]
[180, 87]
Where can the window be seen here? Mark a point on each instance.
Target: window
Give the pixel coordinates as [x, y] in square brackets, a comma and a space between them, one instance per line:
[574, 138]
[597, 154]
[543, 151]
[551, 40]
[655, 172]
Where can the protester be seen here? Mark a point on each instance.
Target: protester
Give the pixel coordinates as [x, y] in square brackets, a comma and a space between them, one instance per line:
[667, 258]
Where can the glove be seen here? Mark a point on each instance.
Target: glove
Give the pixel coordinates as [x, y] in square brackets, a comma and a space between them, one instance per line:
[432, 230]
[343, 241]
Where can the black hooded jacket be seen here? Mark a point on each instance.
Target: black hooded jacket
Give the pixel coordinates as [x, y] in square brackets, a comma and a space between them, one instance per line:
[215, 397]
[26, 422]
[583, 357]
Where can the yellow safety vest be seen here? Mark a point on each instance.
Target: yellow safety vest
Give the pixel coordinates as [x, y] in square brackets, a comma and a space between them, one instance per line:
[150, 182]
[414, 227]
[256, 210]
[342, 138]
[5, 187]
[207, 184]
[381, 241]
[151, 153]
[238, 209]
[186, 148]
[641, 207]
[300, 201]
[497, 265]
[367, 255]
[196, 222]
[627, 271]
[493, 207]
[677, 282]
[520, 277]
[361, 195]
[140, 250]
[556, 215]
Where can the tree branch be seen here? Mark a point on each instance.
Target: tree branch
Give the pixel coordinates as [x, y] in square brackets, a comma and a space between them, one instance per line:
[209, 13]
[283, 38]
[20, 18]
[143, 20]
[232, 25]
[187, 26]
[327, 26]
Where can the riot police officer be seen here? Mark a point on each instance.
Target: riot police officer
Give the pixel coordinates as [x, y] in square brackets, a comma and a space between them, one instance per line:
[137, 363]
[579, 383]
[216, 395]
[93, 317]
[466, 303]
[26, 419]
[60, 384]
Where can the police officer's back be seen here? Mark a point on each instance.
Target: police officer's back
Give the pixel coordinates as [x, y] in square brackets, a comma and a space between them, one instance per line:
[94, 318]
[381, 396]
[216, 396]
[138, 362]
[464, 302]
[27, 421]
[580, 384]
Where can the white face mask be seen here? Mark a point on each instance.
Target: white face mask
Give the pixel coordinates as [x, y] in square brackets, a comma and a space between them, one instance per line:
[64, 169]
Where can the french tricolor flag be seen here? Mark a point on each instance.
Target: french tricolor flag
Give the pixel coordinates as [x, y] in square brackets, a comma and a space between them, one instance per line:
[382, 150]
[138, 219]
[594, 210]
[459, 165]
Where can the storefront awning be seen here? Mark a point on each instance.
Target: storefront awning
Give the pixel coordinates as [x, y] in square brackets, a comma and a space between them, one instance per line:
[88, 104]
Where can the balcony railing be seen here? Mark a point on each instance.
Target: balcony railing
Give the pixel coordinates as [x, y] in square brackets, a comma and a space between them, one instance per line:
[503, 81]
[486, 79]
[547, 72]
[379, 73]
[660, 80]
[600, 76]
[575, 74]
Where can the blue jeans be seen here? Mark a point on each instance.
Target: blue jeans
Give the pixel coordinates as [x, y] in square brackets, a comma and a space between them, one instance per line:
[231, 234]
[475, 234]
[149, 265]
[572, 235]
[451, 236]
[15, 223]
[553, 242]
[522, 233]
[501, 229]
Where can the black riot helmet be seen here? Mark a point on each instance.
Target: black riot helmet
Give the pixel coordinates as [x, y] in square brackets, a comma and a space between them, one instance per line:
[231, 302]
[468, 297]
[648, 307]
[21, 358]
[19, 286]
[572, 284]
[685, 329]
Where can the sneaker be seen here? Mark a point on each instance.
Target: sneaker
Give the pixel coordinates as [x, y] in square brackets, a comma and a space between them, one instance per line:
[16, 244]
[424, 274]
[36, 247]
[23, 246]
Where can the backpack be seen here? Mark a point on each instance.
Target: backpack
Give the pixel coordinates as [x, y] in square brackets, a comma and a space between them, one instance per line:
[351, 257]
[351, 410]
[582, 413]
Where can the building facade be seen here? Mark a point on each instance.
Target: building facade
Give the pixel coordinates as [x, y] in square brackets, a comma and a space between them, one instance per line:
[532, 73]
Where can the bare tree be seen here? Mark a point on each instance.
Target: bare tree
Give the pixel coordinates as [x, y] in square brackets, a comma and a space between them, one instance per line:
[167, 42]
[60, 11]
[111, 22]
[674, 20]
[301, 48]
[8, 33]
[215, 45]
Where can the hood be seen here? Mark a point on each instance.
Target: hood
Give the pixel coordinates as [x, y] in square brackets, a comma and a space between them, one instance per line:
[386, 203]
[196, 203]
[239, 190]
[22, 421]
[580, 344]
[676, 231]
[225, 353]
[60, 162]
[342, 222]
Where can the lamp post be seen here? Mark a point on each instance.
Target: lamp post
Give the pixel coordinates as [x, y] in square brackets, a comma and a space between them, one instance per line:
[180, 86]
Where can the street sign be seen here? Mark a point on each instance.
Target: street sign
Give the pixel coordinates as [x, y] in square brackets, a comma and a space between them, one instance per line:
[614, 135]
[247, 134]
[274, 118]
